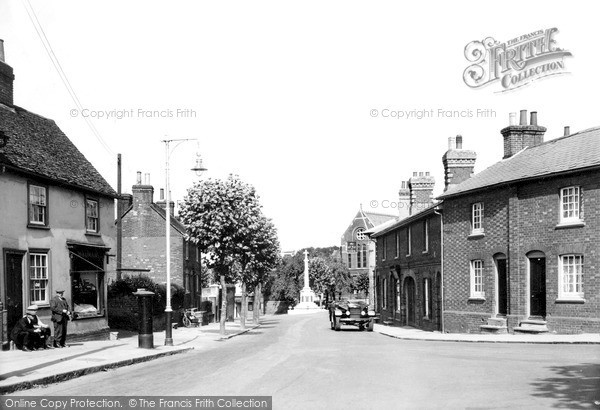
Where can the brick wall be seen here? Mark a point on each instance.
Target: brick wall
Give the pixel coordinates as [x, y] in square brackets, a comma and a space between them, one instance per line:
[519, 220]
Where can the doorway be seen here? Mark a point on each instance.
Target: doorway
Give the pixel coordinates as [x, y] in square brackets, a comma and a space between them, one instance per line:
[14, 287]
[537, 285]
[409, 297]
[502, 289]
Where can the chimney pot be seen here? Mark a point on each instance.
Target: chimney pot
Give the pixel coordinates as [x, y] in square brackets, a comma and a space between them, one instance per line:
[567, 130]
[139, 178]
[523, 120]
[533, 118]
[146, 179]
[162, 194]
[512, 118]
[427, 174]
[421, 173]
[451, 143]
[415, 174]
[2, 58]
[459, 142]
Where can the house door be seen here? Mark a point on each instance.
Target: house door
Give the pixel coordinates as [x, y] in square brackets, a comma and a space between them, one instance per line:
[537, 286]
[14, 288]
[409, 295]
[502, 287]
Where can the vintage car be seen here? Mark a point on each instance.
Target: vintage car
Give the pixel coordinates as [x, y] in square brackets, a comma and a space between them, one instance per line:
[351, 312]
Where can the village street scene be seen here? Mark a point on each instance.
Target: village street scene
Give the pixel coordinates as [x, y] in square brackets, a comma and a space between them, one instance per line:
[285, 206]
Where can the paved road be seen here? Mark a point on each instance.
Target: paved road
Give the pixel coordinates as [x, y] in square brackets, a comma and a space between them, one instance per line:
[303, 364]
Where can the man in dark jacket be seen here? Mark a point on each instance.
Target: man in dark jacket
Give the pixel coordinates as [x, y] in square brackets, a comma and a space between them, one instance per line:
[30, 333]
[60, 317]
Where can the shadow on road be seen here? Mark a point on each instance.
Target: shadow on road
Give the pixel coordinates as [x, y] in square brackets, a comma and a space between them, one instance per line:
[574, 387]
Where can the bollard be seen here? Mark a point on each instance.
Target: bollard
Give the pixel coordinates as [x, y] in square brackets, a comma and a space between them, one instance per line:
[145, 337]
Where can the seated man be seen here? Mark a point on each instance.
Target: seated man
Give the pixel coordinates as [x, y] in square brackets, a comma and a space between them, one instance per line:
[30, 333]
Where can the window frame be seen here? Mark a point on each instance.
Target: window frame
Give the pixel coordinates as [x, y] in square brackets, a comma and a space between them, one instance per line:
[397, 237]
[30, 287]
[474, 208]
[577, 280]
[31, 223]
[398, 295]
[384, 293]
[475, 273]
[97, 219]
[364, 255]
[409, 240]
[577, 207]
[383, 248]
[425, 235]
[359, 255]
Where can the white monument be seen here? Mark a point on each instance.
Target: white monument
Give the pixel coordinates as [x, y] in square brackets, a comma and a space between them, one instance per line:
[307, 296]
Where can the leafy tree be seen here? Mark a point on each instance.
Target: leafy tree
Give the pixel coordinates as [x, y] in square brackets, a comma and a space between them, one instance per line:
[361, 282]
[219, 215]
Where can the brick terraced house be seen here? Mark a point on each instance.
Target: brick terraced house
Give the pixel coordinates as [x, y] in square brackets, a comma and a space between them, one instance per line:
[144, 242]
[408, 273]
[521, 238]
[57, 227]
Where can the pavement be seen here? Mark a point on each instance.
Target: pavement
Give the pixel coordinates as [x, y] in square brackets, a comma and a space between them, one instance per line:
[410, 333]
[23, 370]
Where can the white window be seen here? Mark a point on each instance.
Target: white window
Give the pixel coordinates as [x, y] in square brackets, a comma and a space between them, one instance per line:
[360, 234]
[397, 244]
[384, 293]
[364, 255]
[571, 277]
[91, 215]
[427, 297]
[408, 240]
[38, 205]
[477, 218]
[477, 279]
[38, 278]
[397, 295]
[569, 204]
[425, 235]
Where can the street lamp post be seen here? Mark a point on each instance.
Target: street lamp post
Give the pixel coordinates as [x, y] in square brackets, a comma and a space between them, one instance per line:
[198, 169]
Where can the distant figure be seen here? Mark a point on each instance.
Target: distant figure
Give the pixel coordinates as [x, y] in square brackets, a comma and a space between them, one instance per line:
[60, 317]
[30, 333]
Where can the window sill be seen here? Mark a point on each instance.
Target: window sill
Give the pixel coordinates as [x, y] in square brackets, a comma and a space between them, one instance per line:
[572, 300]
[477, 299]
[566, 225]
[96, 234]
[476, 235]
[34, 226]
[424, 252]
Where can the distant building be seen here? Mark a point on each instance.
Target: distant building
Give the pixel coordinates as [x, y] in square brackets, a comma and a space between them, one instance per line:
[521, 237]
[357, 250]
[57, 227]
[144, 242]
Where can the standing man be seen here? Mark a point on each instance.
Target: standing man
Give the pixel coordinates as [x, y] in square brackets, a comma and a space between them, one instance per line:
[60, 317]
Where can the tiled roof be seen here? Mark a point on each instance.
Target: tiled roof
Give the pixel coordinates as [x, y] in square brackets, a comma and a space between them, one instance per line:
[378, 219]
[573, 152]
[392, 225]
[38, 147]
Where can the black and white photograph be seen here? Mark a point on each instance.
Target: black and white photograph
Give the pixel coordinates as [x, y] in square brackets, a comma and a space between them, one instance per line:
[299, 205]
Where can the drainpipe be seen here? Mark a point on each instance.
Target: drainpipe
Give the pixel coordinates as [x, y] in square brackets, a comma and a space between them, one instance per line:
[436, 211]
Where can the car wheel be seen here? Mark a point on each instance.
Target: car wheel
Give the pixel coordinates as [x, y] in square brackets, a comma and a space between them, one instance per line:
[370, 326]
[337, 326]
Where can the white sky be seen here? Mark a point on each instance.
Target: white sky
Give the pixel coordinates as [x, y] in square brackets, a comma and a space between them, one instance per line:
[283, 91]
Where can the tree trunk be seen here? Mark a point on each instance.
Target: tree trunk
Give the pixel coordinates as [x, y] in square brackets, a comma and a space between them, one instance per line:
[244, 309]
[256, 304]
[223, 316]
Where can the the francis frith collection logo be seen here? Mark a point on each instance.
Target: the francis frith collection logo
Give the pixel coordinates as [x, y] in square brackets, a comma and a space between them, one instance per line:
[516, 62]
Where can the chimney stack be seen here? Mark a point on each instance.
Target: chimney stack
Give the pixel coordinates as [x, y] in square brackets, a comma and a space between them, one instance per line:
[404, 200]
[518, 137]
[7, 78]
[421, 191]
[567, 130]
[142, 194]
[458, 163]
[163, 202]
